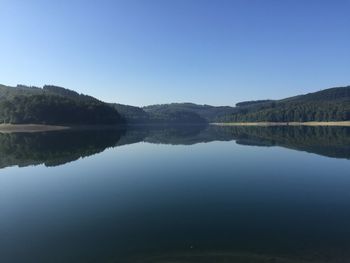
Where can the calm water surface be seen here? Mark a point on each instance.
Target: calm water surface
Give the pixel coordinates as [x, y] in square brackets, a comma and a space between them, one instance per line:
[180, 194]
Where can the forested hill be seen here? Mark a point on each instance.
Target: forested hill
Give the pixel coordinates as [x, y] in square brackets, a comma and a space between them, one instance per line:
[57, 105]
[327, 105]
[159, 114]
[53, 105]
[207, 112]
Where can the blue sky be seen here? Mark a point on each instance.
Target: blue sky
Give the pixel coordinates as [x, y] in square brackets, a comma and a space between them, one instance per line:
[142, 52]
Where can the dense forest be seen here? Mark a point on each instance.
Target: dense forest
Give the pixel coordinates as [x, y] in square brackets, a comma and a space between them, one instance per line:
[57, 105]
[133, 115]
[53, 105]
[327, 105]
[207, 112]
[159, 114]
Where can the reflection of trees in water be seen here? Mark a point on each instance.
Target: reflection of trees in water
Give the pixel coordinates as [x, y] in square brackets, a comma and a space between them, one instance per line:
[323, 140]
[55, 148]
[164, 134]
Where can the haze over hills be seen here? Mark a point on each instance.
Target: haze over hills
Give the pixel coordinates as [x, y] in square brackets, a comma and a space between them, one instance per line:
[57, 105]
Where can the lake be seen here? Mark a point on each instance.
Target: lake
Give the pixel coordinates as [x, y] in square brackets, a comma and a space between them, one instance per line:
[176, 194]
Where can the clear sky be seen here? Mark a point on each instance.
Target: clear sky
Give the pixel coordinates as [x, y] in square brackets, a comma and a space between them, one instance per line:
[142, 52]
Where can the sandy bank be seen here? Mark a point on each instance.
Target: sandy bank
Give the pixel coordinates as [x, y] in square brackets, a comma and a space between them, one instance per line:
[9, 128]
[310, 123]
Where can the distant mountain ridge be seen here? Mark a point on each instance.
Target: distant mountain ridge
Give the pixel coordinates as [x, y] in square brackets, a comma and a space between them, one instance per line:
[27, 104]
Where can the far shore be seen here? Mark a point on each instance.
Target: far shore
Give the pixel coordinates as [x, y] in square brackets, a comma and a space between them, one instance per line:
[309, 123]
[10, 128]
[28, 128]
[14, 128]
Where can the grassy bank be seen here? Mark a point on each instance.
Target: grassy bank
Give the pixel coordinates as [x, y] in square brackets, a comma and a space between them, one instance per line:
[311, 123]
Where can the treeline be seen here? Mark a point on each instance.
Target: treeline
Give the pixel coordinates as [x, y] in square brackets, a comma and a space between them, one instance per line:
[54, 105]
[252, 102]
[159, 114]
[205, 112]
[57, 105]
[327, 105]
[67, 93]
[53, 109]
[133, 115]
[292, 112]
[176, 117]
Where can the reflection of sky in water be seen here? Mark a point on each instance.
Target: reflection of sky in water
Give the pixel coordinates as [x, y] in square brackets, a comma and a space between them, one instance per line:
[145, 196]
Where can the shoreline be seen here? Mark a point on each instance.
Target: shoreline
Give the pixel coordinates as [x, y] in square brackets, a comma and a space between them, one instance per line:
[309, 123]
[31, 128]
[10, 128]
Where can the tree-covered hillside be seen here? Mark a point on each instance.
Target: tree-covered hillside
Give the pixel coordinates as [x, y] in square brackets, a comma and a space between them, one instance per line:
[206, 112]
[57, 105]
[159, 114]
[53, 105]
[326, 105]
[175, 117]
[132, 114]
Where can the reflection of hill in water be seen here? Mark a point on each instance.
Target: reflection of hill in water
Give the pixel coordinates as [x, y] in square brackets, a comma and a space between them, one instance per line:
[325, 140]
[56, 148]
[53, 148]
